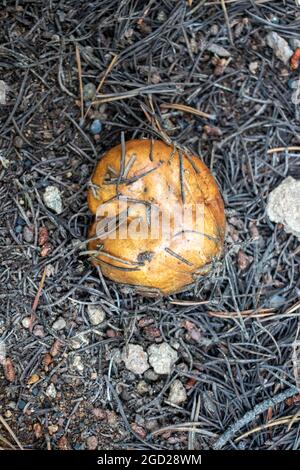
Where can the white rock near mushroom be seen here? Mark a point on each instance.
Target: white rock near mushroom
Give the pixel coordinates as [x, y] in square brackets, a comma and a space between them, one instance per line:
[280, 47]
[162, 358]
[284, 205]
[177, 394]
[135, 358]
[52, 199]
[96, 314]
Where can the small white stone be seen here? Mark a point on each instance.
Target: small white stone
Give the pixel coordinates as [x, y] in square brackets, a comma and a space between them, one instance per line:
[280, 47]
[135, 358]
[253, 66]
[59, 324]
[284, 205]
[162, 357]
[79, 341]
[3, 89]
[177, 394]
[51, 391]
[218, 50]
[52, 199]
[77, 363]
[96, 314]
[26, 322]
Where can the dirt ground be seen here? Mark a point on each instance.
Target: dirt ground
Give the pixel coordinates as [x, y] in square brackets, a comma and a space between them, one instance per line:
[63, 383]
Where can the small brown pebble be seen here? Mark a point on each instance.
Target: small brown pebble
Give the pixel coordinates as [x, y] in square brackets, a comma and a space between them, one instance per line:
[212, 131]
[293, 400]
[9, 369]
[111, 333]
[63, 443]
[99, 413]
[188, 325]
[37, 429]
[54, 378]
[43, 236]
[193, 332]
[145, 28]
[243, 260]
[254, 231]
[55, 348]
[220, 66]
[92, 443]
[295, 59]
[138, 430]
[190, 383]
[18, 142]
[47, 360]
[152, 332]
[144, 321]
[46, 249]
[38, 331]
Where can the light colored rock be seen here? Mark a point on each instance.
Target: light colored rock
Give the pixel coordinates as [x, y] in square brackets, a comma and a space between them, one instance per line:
[92, 443]
[52, 199]
[28, 234]
[59, 324]
[79, 341]
[135, 358]
[51, 391]
[177, 394]
[52, 428]
[77, 363]
[280, 47]
[96, 314]
[253, 66]
[151, 376]
[142, 387]
[218, 50]
[162, 357]
[284, 205]
[2, 92]
[294, 43]
[26, 322]
[4, 161]
[39, 331]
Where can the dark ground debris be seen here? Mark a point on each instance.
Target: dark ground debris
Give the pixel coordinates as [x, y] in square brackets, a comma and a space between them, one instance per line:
[237, 334]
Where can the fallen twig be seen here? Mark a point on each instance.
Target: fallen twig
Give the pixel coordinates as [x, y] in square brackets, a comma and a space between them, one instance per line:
[250, 416]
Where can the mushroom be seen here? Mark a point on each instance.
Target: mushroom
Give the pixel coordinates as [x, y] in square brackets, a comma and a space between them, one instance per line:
[159, 217]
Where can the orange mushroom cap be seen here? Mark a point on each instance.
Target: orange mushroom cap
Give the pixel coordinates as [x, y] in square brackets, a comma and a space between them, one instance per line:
[159, 216]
